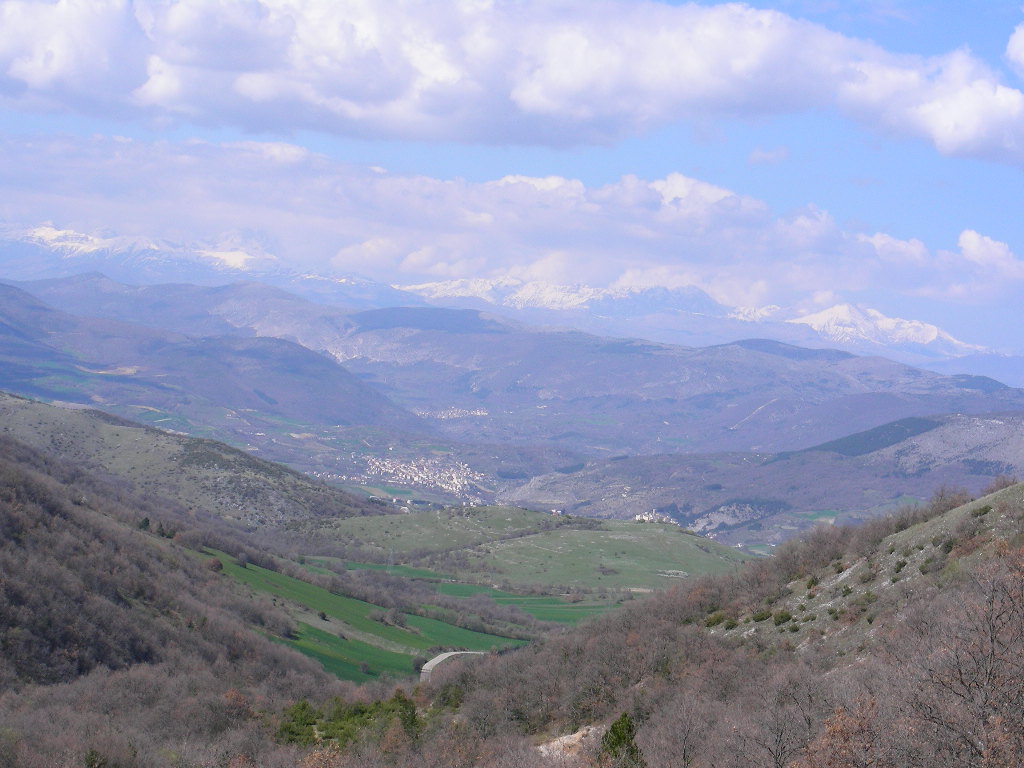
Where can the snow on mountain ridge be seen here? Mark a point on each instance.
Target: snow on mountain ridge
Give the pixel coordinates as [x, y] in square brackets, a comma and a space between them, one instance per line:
[232, 251]
[236, 259]
[849, 324]
[517, 294]
[73, 243]
[755, 314]
[856, 328]
[508, 292]
[685, 315]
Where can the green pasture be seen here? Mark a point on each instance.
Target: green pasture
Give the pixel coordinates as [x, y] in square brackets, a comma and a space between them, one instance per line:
[434, 530]
[627, 555]
[384, 647]
[541, 607]
[318, 564]
[347, 658]
[523, 547]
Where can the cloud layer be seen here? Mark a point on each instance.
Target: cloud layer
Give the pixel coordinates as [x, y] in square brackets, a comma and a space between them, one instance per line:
[315, 213]
[532, 72]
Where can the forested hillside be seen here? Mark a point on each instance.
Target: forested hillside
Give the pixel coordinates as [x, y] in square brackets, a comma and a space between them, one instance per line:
[898, 643]
[117, 642]
[891, 645]
[197, 473]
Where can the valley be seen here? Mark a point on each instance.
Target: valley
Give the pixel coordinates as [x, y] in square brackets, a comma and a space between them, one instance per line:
[424, 406]
[213, 634]
[460, 482]
[364, 599]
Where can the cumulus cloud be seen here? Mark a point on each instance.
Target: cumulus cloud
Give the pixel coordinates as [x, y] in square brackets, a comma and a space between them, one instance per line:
[80, 55]
[499, 71]
[314, 213]
[991, 257]
[1015, 49]
[980, 269]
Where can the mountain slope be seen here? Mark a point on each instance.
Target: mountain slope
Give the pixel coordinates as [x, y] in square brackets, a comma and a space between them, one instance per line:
[899, 639]
[506, 382]
[762, 498]
[199, 474]
[897, 645]
[142, 652]
[237, 388]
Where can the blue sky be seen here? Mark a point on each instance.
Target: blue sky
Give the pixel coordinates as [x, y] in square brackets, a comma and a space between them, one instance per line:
[798, 153]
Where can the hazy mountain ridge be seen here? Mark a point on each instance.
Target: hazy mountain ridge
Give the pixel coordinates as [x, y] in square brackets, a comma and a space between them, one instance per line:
[242, 388]
[680, 315]
[688, 315]
[599, 394]
[495, 388]
[46, 253]
[762, 498]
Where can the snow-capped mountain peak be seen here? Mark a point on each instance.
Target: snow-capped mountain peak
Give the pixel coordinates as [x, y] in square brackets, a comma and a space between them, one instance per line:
[71, 243]
[516, 294]
[849, 324]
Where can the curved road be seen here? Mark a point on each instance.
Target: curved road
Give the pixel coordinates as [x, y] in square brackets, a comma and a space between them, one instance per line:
[429, 666]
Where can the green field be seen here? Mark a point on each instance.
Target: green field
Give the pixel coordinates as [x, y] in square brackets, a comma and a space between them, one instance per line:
[520, 547]
[556, 569]
[437, 529]
[541, 607]
[383, 648]
[628, 555]
[348, 658]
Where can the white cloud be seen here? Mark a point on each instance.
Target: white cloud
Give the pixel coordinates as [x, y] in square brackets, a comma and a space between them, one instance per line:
[954, 101]
[981, 269]
[85, 55]
[1015, 49]
[898, 252]
[314, 213]
[991, 257]
[532, 71]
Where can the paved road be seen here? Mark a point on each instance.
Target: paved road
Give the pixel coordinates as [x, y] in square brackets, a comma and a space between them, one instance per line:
[429, 666]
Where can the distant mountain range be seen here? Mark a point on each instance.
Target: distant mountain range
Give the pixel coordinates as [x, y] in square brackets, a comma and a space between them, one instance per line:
[45, 252]
[479, 379]
[689, 316]
[484, 390]
[682, 315]
[473, 406]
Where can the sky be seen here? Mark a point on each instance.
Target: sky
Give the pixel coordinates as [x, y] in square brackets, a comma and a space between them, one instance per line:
[798, 153]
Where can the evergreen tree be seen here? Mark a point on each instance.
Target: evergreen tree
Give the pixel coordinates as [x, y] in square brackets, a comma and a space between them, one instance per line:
[618, 747]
